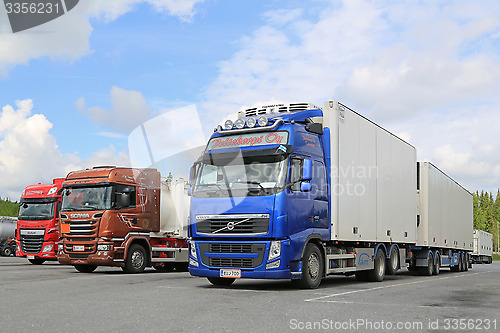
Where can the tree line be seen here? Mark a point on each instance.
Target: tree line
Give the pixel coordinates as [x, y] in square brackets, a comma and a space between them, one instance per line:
[8, 208]
[487, 213]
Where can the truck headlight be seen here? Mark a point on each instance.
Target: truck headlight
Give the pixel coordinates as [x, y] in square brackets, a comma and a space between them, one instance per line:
[274, 250]
[104, 247]
[192, 249]
[48, 248]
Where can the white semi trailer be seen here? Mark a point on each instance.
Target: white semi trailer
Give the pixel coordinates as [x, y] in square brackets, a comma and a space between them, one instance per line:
[483, 247]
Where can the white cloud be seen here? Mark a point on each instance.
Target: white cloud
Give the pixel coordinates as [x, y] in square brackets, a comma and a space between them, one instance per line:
[29, 153]
[129, 110]
[67, 37]
[463, 142]
[429, 70]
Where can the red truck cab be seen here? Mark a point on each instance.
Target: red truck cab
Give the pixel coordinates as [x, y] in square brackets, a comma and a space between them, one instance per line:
[37, 232]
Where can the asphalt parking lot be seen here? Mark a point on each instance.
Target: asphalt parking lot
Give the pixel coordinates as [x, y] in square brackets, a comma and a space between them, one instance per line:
[56, 298]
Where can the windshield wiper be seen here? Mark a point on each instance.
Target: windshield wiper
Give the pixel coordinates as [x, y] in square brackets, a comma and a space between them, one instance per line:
[218, 186]
[254, 182]
[79, 208]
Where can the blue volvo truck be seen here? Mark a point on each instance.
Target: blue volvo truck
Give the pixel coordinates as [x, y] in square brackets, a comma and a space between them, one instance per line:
[299, 192]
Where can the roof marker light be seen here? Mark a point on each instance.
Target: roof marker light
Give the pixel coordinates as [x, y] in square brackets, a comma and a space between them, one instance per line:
[239, 123]
[228, 124]
[262, 121]
[251, 122]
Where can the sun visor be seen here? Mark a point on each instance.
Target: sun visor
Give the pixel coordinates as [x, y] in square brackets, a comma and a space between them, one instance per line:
[277, 151]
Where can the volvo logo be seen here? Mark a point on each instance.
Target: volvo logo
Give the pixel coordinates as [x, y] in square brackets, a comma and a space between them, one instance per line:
[230, 226]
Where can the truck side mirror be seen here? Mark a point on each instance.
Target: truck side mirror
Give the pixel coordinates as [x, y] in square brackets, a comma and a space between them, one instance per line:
[124, 200]
[307, 170]
[305, 186]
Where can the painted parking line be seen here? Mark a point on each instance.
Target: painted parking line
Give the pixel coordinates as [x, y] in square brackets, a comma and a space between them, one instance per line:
[424, 280]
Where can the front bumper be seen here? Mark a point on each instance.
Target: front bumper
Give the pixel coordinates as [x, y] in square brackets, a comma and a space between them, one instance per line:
[210, 263]
[94, 257]
[49, 255]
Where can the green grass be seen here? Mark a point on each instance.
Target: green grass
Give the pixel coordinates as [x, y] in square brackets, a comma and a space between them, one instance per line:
[496, 257]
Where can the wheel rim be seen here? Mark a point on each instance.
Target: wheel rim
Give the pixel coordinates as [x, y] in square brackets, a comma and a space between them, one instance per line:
[394, 261]
[381, 266]
[313, 266]
[137, 259]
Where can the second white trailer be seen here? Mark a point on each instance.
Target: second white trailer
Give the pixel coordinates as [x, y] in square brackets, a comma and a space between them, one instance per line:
[444, 220]
[483, 247]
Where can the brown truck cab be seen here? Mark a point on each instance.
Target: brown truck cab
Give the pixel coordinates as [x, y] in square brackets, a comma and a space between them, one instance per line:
[111, 217]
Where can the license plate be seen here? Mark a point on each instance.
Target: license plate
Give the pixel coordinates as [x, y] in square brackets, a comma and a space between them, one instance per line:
[30, 257]
[78, 248]
[230, 273]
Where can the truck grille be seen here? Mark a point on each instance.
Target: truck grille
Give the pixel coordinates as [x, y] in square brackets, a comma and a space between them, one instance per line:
[232, 250]
[31, 243]
[231, 262]
[230, 225]
[82, 228]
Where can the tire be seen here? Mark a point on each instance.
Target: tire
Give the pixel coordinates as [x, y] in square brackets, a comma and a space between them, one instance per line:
[7, 251]
[391, 265]
[437, 263]
[466, 262]
[136, 259]
[427, 271]
[221, 282]
[36, 261]
[85, 268]
[361, 276]
[456, 268]
[164, 267]
[378, 272]
[461, 263]
[312, 268]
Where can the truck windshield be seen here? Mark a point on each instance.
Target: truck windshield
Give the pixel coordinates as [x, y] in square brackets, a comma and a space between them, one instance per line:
[87, 198]
[36, 211]
[258, 175]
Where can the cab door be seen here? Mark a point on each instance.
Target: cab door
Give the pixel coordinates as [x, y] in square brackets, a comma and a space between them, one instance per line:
[300, 203]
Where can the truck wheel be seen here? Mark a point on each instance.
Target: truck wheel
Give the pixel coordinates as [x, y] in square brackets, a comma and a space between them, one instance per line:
[7, 251]
[164, 267]
[218, 281]
[391, 265]
[378, 272]
[136, 259]
[85, 268]
[36, 261]
[456, 268]
[361, 276]
[461, 262]
[437, 264]
[427, 271]
[466, 261]
[312, 268]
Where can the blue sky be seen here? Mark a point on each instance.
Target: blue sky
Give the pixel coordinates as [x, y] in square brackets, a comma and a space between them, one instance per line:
[428, 71]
